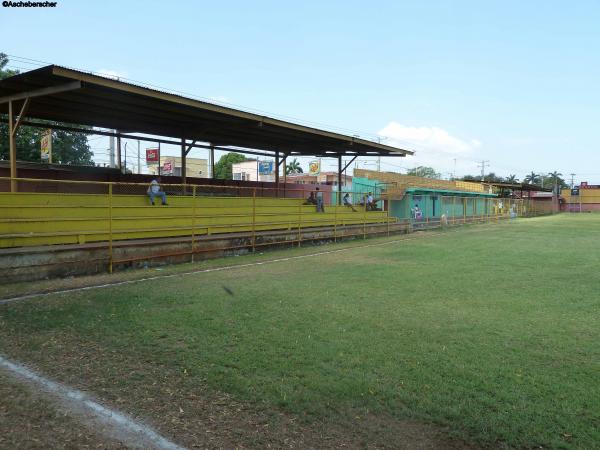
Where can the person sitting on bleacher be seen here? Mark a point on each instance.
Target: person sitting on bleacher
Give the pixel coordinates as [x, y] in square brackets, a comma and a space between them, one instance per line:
[370, 203]
[311, 200]
[348, 202]
[154, 190]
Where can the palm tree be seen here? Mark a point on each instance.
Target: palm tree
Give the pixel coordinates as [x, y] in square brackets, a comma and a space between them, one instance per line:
[555, 176]
[512, 179]
[293, 167]
[532, 178]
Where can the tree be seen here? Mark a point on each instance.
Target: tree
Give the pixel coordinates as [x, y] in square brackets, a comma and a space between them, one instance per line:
[532, 178]
[293, 167]
[223, 166]
[554, 179]
[512, 179]
[67, 147]
[425, 172]
[493, 178]
[5, 73]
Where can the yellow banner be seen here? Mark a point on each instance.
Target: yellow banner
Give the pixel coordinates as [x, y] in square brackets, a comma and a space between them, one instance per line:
[46, 146]
[314, 167]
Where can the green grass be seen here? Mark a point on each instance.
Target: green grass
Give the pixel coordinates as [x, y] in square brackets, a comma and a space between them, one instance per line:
[493, 332]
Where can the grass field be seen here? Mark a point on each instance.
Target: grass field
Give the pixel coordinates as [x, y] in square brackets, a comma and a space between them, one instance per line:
[489, 333]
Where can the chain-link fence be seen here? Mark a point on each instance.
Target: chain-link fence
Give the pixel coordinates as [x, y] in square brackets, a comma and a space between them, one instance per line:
[50, 212]
[53, 212]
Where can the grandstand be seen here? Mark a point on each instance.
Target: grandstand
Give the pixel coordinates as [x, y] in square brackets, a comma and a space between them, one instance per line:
[30, 219]
[83, 224]
[93, 221]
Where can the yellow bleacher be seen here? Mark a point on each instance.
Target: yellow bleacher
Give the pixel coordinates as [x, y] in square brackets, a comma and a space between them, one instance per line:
[30, 219]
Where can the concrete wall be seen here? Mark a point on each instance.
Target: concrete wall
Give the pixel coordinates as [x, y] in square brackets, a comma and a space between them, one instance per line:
[37, 263]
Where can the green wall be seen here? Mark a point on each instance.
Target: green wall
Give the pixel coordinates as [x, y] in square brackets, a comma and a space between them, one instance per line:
[362, 186]
[434, 204]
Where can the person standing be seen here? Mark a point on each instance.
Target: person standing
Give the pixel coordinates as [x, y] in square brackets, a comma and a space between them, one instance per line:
[319, 196]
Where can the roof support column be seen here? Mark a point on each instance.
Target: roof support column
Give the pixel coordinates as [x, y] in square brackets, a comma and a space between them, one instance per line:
[158, 167]
[339, 179]
[284, 173]
[13, 126]
[183, 157]
[13, 149]
[277, 172]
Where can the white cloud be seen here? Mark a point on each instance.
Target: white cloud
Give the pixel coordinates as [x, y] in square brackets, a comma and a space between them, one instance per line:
[112, 73]
[433, 146]
[428, 138]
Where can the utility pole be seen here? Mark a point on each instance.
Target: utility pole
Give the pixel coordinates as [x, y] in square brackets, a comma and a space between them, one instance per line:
[111, 150]
[482, 165]
[139, 167]
[454, 172]
[379, 138]
[572, 180]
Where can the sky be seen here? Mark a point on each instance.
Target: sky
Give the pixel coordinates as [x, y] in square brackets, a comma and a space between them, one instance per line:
[512, 83]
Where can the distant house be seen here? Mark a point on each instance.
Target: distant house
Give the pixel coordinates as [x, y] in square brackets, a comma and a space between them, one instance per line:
[171, 165]
[330, 178]
[251, 170]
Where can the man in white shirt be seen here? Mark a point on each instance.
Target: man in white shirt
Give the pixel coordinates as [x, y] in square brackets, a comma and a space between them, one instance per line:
[370, 206]
[154, 190]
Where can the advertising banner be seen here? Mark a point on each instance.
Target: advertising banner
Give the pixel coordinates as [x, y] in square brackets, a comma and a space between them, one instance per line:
[151, 156]
[265, 167]
[46, 146]
[314, 167]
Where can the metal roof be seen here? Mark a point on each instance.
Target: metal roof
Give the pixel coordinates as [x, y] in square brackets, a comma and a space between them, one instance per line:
[516, 186]
[93, 100]
[426, 190]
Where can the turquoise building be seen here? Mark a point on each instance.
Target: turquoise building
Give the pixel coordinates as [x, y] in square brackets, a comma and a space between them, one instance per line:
[434, 202]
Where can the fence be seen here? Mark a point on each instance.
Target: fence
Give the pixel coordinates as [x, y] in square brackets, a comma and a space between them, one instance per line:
[457, 210]
[52, 212]
[45, 212]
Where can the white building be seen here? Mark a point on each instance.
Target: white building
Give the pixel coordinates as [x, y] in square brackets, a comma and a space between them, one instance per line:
[250, 170]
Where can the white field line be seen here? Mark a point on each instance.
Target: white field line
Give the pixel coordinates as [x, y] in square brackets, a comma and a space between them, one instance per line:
[215, 269]
[94, 415]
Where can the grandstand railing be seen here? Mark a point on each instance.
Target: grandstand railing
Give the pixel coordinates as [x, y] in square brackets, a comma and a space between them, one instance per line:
[45, 212]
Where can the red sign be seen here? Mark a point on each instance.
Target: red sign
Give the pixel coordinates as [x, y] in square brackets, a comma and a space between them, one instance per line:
[167, 168]
[151, 155]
